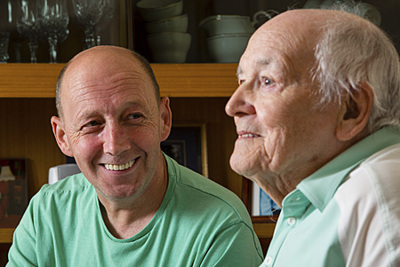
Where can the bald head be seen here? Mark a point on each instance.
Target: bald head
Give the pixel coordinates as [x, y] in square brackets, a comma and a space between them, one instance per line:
[299, 32]
[334, 51]
[102, 61]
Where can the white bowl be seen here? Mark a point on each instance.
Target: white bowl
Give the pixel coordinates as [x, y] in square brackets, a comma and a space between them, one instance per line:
[154, 3]
[152, 10]
[169, 47]
[226, 24]
[227, 48]
[173, 24]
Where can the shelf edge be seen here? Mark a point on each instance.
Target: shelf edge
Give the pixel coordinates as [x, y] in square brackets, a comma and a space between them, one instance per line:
[25, 80]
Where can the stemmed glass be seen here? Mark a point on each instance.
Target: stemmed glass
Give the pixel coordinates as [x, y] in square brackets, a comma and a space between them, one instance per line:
[4, 39]
[108, 14]
[53, 20]
[28, 26]
[88, 14]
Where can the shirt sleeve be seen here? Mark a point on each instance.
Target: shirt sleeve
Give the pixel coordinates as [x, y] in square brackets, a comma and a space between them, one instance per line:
[363, 233]
[23, 248]
[236, 245]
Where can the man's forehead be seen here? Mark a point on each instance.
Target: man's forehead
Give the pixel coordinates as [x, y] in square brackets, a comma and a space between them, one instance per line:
[263, 62]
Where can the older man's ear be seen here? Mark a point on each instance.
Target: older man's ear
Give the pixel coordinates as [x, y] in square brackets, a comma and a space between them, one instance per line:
[354, 113]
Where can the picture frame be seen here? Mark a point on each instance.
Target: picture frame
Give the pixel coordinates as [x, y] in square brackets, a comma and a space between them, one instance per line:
[13, 191]
[187, 144]
[258, 203]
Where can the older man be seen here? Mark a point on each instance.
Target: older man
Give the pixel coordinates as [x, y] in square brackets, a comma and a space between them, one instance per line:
[317, 117]
[132, 205]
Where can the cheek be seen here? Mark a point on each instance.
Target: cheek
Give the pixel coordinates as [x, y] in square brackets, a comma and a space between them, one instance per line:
[84, 147]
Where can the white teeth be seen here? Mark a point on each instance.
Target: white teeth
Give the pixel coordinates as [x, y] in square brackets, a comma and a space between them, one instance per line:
[115, 167]
[248, 135]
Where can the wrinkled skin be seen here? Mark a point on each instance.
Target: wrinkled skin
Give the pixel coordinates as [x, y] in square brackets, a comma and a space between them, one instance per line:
[111, 116]
[282, 136]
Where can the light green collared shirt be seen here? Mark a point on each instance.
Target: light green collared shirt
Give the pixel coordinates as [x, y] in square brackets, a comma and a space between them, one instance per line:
[321, 214]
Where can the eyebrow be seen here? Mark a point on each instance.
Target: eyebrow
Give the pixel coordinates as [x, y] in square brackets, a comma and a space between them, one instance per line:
[262, 62]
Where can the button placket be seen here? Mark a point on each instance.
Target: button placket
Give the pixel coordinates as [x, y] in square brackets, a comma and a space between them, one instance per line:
[268, 261]
[291, 221]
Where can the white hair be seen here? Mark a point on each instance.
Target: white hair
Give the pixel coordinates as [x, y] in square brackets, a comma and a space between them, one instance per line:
[352, 51]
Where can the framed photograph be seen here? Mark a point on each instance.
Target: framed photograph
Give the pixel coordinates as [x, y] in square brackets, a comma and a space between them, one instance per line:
[258, 203]
[13, 191]
[188, 146]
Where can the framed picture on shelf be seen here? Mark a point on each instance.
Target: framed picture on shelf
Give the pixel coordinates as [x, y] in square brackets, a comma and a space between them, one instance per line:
[258, 203]
[188, 146]
[13, 191]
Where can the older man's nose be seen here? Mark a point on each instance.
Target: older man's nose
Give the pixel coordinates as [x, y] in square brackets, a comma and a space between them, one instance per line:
[239, 104]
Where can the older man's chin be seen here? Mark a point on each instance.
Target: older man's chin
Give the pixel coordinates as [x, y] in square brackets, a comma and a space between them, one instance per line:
[241, 165]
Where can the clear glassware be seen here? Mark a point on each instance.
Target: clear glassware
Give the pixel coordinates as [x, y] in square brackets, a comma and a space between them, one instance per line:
[13, 11]
[4, 40]
[28, 26]
[88, 14]
[53, 20]
[108, 15]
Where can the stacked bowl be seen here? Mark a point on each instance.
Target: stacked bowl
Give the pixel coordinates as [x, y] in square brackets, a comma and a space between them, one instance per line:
[228, 35]
[166, 28]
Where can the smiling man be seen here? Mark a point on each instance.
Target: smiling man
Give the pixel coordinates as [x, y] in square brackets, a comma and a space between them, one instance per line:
[132, 205]
[317, 113]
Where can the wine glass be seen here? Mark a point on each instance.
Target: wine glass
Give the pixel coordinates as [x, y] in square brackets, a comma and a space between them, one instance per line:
[108, 14]
[53, 20]
[28, 26]
[4, 40]
[88, 14]
[13, 14]
[7, 26]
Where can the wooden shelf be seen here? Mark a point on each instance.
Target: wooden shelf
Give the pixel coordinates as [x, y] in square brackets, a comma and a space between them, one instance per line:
[25, 86]
[264, 230]
[264, 226]
[26, 80]
[6, 235]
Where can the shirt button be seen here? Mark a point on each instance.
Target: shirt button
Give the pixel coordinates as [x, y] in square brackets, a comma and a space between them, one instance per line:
[291, 221]
[268, 260]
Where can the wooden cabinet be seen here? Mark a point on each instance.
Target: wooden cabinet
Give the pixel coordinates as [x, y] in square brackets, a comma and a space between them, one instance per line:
[198, 94]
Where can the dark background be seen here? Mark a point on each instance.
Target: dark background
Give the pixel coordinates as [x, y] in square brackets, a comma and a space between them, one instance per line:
[116, 31]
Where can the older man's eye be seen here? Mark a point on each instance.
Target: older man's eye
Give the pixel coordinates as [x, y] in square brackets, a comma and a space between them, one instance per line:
[267, 81]
[241, 81]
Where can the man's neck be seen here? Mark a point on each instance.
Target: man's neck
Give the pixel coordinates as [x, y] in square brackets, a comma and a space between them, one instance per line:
[125, 218]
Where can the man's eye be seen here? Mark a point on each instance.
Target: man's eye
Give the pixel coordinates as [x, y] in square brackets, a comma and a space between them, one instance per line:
[92, 124]
[135, 116]
[241, 81]
[267, 81]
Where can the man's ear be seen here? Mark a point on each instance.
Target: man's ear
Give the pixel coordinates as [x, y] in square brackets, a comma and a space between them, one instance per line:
[354, 112]
[59, 134]
[166, 118]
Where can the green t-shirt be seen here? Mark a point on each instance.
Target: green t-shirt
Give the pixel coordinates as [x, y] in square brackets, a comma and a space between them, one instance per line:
[199, 223]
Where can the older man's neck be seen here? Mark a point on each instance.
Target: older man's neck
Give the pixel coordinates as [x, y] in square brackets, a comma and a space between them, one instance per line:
[278, 188]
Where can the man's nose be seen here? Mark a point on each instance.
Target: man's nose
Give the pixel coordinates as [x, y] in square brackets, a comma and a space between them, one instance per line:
[116, 140]
[240, 103]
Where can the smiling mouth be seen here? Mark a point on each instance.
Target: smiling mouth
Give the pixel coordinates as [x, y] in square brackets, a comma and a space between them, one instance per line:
[248, 135]
[119, 167]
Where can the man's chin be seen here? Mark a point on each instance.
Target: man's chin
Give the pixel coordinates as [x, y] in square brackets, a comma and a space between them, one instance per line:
[238, 165]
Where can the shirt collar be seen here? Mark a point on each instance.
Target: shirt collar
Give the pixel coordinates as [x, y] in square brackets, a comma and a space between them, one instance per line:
[320, 187]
